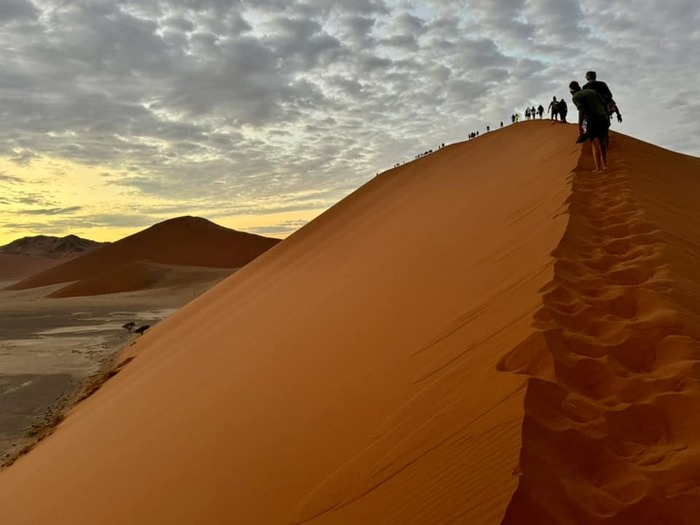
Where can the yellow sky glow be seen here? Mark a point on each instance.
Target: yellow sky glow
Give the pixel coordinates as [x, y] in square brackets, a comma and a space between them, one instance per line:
[50, 196]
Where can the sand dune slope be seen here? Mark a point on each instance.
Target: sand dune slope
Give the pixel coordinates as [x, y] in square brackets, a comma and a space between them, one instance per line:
[21, 266]
[348, 376]
[140, 275]
[417, 355]
[615, 437]
[188, 241]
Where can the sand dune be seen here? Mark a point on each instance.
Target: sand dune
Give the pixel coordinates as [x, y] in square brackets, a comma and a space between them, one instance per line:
[188, 241]
[21, 266]
[489, 334]
[614, 436]
[140, 275]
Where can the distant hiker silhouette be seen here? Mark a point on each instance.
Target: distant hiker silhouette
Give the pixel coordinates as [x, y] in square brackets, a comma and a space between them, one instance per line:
[540, 110]
[501, 123]
[554, 108]
[591, 109]
[563, 110]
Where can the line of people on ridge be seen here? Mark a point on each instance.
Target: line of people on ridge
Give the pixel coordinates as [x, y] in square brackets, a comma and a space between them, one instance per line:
[557, 109]
[533, 112]
[596, 107]
[475, 134]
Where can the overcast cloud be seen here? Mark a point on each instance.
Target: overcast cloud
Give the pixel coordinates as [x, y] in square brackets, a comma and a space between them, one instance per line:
[225, 107]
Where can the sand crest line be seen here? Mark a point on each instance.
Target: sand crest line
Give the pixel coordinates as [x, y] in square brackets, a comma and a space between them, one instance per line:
[612, 366]
[351, 374]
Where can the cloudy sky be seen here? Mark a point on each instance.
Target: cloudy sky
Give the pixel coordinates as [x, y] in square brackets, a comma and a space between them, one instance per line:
[258, 115]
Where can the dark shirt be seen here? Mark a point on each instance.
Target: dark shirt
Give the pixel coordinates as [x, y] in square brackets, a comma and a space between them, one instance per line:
[601, 88]
[592, 105]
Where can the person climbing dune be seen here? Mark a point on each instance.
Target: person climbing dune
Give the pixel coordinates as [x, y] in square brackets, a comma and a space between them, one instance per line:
[591, 109]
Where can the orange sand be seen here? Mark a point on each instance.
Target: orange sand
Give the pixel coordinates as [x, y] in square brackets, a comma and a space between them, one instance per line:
[188, 241]
[418, 354]
[140, 275]
[21, 266]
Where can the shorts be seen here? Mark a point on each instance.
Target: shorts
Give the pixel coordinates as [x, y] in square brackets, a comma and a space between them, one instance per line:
[597, 129]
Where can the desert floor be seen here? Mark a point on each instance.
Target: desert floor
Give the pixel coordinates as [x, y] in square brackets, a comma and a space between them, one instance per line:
[50, 349]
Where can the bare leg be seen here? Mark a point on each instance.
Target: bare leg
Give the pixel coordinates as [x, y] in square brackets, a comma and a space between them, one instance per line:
[604, 151]
[598, 156]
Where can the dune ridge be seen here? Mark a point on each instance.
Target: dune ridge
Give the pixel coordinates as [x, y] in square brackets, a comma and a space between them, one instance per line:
[346, 375]
[610, 433]
[183, 241]
[417, 354]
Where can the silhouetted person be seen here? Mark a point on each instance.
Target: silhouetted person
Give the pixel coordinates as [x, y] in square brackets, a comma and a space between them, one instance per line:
[540, 110]
[512, 118]
[563, 110]
[603, 90]
[501, 123]
[488, 129]
[599, 87]
[591, 109]
[553, 108]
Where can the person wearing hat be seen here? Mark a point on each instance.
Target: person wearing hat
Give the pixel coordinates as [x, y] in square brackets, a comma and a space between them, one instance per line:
[592, 110]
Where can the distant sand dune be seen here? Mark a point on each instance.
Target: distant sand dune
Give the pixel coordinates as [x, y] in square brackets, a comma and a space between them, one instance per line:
[21, 266]
[491, 333]
[184, 241]
[140, 275]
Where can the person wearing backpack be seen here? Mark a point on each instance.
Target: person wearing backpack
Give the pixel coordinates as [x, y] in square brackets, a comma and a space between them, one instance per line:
[592, 110]
[603, 90]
